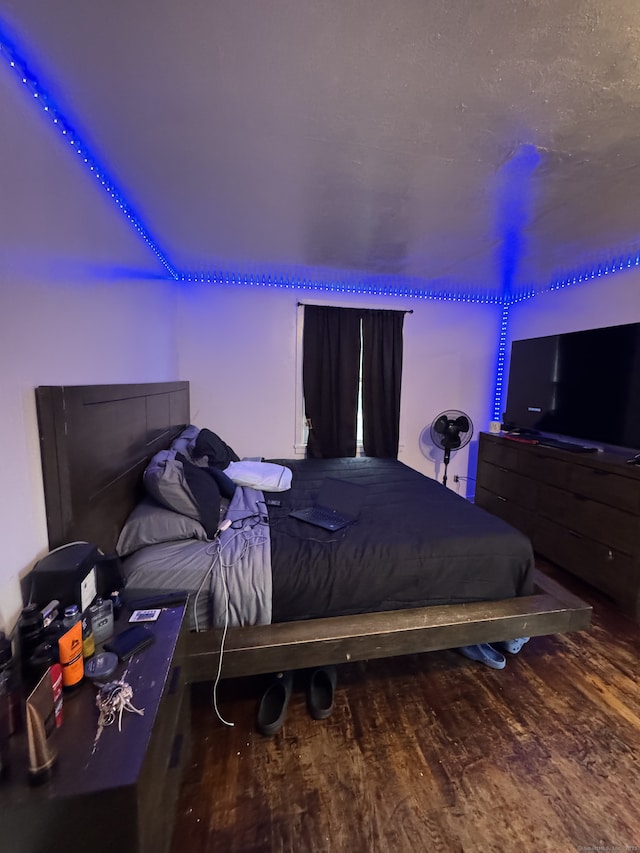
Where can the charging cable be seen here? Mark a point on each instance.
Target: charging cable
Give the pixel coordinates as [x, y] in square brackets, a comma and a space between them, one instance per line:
[225, 525]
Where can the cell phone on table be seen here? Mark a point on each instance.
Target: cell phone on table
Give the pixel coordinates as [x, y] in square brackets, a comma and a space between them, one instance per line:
[130, 641]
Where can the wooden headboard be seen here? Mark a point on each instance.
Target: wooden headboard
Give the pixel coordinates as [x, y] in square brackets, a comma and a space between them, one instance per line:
[95, 442]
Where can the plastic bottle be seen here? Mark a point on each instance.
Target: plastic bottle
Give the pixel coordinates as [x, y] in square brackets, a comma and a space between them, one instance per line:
[70, 648]
[101, 614]
[88, 640]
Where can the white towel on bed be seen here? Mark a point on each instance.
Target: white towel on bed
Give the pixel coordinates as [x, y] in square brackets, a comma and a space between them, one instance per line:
[260, 475]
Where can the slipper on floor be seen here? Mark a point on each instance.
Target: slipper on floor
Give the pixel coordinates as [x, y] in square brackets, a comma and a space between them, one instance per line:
[512, 646]
[322, 685]
[484, 653]
[273, 705]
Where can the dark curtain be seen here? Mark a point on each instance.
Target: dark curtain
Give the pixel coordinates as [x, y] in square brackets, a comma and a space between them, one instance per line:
[330, 370]
[381, 381]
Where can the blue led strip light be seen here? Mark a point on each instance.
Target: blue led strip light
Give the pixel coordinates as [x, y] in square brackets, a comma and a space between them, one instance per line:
[502, 349]
[600, 270]
[71, 137]
[397, 289]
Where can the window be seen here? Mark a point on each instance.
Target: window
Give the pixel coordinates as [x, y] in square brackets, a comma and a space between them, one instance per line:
[350, 364]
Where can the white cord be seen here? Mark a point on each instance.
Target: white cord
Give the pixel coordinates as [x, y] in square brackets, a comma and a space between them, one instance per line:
[224, 636]
[200, 588]
[217, 544]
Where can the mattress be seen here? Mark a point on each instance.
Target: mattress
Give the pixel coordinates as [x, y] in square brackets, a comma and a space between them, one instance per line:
[416, 543]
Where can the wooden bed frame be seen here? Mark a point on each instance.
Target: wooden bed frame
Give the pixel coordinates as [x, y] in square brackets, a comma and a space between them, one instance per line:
[96, 441]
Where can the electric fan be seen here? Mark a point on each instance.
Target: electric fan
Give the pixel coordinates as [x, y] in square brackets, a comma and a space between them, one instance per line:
[449, 431]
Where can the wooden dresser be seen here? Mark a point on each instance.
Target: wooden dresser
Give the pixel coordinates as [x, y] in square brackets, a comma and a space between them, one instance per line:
[580, 510]
[118, 793]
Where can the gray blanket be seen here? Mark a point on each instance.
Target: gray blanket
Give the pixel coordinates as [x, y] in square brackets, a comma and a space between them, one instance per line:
[244, 563]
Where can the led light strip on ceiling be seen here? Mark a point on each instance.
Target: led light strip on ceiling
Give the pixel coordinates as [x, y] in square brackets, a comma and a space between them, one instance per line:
[72, 138]
[396, 287]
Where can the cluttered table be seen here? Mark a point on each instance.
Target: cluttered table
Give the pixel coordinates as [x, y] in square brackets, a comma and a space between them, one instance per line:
[113, 787]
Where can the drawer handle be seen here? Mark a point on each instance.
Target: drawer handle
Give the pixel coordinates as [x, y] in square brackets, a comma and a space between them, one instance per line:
[175, 680]
[500, 498]
[176, 751]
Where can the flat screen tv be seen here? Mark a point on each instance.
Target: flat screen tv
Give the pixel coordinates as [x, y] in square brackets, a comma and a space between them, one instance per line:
[583, 385]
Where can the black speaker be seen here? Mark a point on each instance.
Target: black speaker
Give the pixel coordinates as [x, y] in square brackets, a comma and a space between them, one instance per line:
[68, 574]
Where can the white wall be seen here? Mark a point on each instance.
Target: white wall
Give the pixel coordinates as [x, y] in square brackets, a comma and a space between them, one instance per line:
[238, 347]
[606, 301]
[52, 334]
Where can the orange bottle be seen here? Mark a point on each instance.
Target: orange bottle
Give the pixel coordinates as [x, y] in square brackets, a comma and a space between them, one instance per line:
[70, 648]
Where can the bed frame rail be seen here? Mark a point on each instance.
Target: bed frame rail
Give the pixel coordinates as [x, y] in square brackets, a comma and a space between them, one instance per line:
[259, 649]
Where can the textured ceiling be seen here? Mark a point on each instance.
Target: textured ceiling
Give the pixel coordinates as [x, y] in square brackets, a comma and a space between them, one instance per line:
[475, 145]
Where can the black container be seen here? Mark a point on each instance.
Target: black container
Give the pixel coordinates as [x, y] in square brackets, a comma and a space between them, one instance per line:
[40, 661]
[30, 632]
[10, 702]
[5, 716]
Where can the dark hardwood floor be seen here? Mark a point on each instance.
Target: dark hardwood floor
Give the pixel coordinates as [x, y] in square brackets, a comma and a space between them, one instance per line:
[432, 752]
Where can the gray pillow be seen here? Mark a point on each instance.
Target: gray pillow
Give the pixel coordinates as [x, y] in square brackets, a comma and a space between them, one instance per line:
[164, 480]
[150, 523]
[180, 485]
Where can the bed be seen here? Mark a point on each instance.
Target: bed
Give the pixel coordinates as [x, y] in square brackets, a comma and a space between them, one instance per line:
[421, 570]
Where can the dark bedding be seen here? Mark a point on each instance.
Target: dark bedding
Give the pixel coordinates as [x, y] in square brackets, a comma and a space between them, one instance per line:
[416, 543]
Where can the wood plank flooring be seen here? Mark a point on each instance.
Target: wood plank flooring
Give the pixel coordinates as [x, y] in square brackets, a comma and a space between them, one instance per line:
[432, 752]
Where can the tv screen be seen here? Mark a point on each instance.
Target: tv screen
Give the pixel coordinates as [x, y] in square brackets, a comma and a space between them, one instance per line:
[583, 385]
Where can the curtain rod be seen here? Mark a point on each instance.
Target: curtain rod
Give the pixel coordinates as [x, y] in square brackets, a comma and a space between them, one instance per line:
[398, 310]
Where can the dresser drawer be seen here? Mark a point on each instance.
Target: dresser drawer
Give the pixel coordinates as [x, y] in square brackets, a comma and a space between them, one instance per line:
[606, 487]
[544, 466]
[158, 806]
[508, 510]
[165, 755]
[611, 571]
[605, 524]
[507, 484]
[499, 452]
